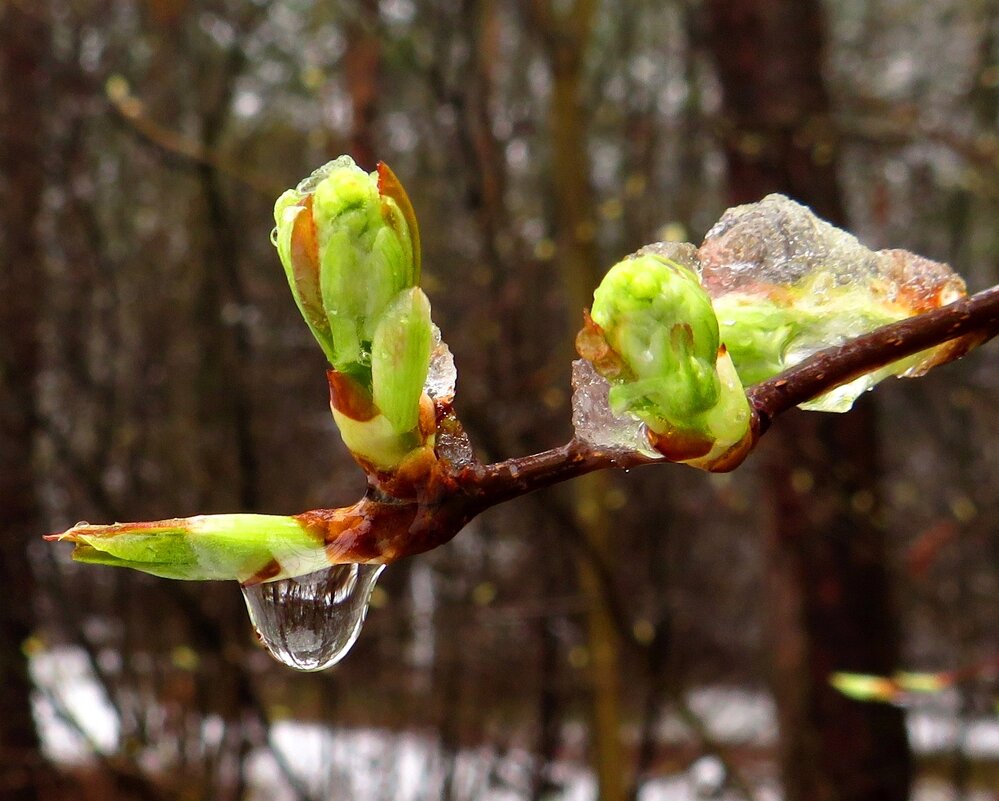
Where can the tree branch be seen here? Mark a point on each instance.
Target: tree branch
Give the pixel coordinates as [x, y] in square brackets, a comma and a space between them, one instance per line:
[977, 316]
[427, 502]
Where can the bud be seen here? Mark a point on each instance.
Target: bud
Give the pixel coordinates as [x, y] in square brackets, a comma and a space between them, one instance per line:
[247, 547]
[864, 687]
[350, 246]
[654, 336]
[400, 358]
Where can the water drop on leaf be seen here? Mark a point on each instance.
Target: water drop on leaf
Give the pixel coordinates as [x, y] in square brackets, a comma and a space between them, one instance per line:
[310, 622]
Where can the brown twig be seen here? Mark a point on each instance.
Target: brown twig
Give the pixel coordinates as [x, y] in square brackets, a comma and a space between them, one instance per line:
[828, 369]
[478, 486]
[427, 504]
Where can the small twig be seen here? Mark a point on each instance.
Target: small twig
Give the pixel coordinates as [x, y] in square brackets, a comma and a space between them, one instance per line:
[834, 367]
[132, 113]
[407, 514]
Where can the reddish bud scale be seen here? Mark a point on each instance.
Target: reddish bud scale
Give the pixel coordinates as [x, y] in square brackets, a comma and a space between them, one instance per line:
[266, 573]
[349, 398]
[391, 187]
[364, 532]
[305, 264]
[147, 527]
[679, 446]
[592, 345]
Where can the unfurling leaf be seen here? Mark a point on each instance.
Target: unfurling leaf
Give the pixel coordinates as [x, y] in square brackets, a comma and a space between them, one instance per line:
[653, 334]
[400, 358]
[350, 247]
[245, 547]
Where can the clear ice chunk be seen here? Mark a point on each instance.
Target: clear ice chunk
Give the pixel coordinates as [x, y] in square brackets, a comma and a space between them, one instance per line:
[310, 622]
[307, 186]
[681, 252]
[777, 242]
[593, 420]
[442, 376]
[806, 285]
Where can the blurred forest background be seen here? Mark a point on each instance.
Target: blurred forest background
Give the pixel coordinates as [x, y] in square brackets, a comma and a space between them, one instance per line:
[660, 635]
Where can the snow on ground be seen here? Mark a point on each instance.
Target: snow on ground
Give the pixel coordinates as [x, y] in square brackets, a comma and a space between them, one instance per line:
[75, 718]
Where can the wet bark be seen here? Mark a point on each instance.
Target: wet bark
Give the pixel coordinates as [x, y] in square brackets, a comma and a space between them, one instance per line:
[23, 39]
[827, 574]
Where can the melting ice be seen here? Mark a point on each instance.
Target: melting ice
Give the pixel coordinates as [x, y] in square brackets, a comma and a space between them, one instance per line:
[442, 375]
[593, 420]
[804, 285]
[310, 622]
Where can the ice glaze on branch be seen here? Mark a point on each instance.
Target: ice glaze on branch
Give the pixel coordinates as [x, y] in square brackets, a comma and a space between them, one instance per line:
[977, 315]
[483, 486]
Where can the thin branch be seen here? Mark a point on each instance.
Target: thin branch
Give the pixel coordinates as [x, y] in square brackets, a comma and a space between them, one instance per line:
[409, 514]
[828, 369]
[816, 375]
[132, 113]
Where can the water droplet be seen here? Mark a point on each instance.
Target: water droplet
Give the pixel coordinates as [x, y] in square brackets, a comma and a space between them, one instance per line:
[274, 236]
[310, 622]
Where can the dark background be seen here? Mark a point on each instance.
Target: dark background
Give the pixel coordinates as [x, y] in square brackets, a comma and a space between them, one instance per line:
[626, 634]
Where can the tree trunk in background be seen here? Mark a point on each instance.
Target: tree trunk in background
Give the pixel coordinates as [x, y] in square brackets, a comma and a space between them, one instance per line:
[828, 590]
[23, 43]
[565, 34]
[362, 66]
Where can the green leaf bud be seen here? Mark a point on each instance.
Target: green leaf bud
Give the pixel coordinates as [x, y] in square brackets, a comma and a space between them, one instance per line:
[400, 358]
[246, 547]
[665, 366]
[865, 687]
[349, 245]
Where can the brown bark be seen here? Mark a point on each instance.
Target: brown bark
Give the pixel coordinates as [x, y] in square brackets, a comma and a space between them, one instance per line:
[23, 37]
[828, 583]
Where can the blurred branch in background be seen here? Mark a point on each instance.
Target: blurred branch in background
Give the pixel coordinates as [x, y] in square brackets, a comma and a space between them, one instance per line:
[133, 112]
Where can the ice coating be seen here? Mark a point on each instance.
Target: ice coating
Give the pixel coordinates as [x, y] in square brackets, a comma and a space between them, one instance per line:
[780, 243]
[308, 185]
[593, 420]
[786, 285]
[777, 242]
[681, 252]
[442, 375]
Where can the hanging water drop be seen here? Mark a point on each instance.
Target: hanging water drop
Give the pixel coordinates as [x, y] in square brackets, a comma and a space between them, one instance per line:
[310, 622]
[274, 235]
